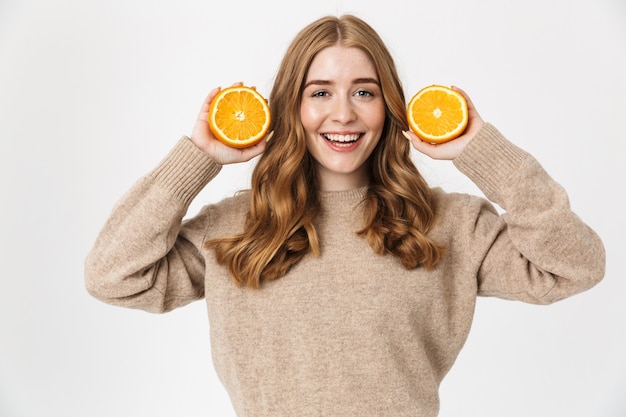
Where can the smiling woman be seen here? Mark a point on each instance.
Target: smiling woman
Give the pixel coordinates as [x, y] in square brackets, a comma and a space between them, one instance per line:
[286, 182]
[341, 283]
[343, 115]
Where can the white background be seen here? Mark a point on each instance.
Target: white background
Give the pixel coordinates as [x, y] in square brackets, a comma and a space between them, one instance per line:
[94, 93]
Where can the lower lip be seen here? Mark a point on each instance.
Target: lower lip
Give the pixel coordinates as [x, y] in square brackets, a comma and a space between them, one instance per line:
[342, 147]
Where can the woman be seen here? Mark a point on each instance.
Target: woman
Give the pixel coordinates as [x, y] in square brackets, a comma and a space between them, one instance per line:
[341, 284]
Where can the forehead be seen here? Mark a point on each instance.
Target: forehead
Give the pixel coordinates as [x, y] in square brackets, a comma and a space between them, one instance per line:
[338, 62]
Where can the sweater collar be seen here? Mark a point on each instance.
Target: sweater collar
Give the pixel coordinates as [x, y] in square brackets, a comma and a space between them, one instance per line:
[346, 197]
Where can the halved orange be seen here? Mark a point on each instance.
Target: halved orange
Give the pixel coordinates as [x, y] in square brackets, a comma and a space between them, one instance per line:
[239, 116]
[437, 114]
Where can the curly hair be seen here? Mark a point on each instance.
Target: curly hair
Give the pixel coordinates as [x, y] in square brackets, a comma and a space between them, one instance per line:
[284, 199]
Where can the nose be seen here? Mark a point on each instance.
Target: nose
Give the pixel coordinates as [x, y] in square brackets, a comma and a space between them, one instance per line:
[343, 111]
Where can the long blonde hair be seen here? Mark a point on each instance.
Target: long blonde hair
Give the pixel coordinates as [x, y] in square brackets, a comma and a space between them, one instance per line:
[284, 200]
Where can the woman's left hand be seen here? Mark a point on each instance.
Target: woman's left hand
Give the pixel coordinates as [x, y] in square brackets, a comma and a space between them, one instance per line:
[452, 149]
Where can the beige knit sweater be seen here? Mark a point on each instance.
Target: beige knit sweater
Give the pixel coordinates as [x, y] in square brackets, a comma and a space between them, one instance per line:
[349, 333]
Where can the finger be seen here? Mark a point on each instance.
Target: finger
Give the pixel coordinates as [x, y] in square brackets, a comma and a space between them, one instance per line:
[460, 90]
[258, 148]
[204, 111]
[471, 108]
[419, 144]
[440, 151]
[252, 151]
[206, 104]
[410, 136]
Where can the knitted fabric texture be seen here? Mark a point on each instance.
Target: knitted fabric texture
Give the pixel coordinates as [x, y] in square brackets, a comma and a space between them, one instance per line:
[348, 333]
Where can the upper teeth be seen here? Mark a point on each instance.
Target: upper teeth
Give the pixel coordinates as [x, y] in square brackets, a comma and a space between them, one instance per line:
[341, 138]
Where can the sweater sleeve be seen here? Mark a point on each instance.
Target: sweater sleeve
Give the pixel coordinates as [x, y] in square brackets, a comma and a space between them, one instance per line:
[538, 251]
[145, 256]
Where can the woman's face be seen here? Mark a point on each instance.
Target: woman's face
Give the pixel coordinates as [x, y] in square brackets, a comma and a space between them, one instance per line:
[343, 114]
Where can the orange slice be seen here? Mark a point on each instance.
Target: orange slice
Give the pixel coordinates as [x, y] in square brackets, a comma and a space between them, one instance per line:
[239, 116]
[437, 114]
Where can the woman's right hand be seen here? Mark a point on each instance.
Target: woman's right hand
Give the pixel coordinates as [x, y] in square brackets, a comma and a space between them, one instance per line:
[204, 139]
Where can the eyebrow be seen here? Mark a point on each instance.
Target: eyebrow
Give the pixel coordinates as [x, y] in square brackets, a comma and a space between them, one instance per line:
[355, 81]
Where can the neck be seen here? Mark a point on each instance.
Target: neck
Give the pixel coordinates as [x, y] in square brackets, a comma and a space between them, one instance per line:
[341, 182]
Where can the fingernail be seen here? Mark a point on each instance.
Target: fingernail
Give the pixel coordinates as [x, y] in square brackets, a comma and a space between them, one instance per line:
[406, 134]
[267, 139]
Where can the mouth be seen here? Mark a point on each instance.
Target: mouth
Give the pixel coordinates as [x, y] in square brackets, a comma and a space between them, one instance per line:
[342, 140]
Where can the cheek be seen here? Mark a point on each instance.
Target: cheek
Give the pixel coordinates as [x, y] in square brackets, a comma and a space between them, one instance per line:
[305, 114]
[310, 117]
[304, 117]
[373, 115]
[379, 118]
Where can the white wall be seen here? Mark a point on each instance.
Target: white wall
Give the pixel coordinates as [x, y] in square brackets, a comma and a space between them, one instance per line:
[94, 93]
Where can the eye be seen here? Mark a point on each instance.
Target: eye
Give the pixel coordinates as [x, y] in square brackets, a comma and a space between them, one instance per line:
[320, 94]
[364, 93]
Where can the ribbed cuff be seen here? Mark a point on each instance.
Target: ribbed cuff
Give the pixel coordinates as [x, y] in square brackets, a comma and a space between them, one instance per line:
[489, 160]
[185, 170]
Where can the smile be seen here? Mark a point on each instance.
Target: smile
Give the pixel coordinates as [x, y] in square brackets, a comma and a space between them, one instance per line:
[341, 139]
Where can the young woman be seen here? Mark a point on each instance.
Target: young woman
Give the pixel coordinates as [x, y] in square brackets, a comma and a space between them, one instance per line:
[341, 284]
